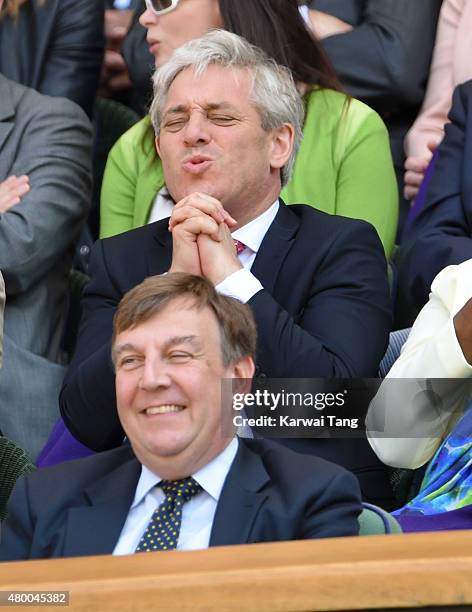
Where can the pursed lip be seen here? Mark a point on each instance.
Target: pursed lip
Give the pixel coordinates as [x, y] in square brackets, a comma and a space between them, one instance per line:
[197, 163]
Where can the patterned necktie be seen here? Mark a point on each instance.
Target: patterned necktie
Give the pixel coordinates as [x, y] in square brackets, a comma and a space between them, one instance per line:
[162, 532]
[240, 247]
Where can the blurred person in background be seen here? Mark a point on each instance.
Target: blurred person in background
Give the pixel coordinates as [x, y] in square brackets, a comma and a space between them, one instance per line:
[381, 50]
[450, 66]
[53, 46]
[115, 81]
[45, 184]
[439, 234]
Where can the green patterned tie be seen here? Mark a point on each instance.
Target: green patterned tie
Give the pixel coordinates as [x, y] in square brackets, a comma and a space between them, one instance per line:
[162, 532]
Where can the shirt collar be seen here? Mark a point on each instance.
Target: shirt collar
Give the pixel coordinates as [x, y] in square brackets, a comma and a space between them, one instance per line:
[210, 477]
[252, 234]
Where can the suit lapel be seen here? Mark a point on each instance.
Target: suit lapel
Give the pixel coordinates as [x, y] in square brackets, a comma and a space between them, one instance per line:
[160, 252]
[93, 529]
[275, 246]
[242, 497]
[7, 110]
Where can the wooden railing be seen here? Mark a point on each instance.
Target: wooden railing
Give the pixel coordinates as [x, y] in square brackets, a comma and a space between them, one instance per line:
[363, 573]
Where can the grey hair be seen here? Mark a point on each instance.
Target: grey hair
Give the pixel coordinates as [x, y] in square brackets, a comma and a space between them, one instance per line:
[273, 90]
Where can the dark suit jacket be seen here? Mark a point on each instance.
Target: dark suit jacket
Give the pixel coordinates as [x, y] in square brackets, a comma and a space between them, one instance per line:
[55, 47]
[441, 234]
[324, 312]
[270, 494]
[384, 61]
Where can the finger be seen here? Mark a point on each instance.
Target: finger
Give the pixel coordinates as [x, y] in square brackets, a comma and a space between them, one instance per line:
[410, 193]
[413, 179]
[433, 145]
[22, 189]
[179, 215]
[202, 224]
[15, 189]
[9, 180]
[14, 180]
[207, 204]
[416, 164]
[114, 61]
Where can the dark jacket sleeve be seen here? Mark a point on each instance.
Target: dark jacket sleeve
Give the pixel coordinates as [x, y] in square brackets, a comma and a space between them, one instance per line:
[16, 533]
[441, 233]
[55, 152]
[334, 511]
[385, 59]
[73, 61]
[87, 399]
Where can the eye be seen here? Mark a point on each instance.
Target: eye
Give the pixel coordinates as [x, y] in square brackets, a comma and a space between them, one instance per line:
[130, 362]
[174, 125]
[180, 357]
[222, 119]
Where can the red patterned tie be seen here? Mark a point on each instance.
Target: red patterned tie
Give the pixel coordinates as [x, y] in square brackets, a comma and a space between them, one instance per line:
[240, 247]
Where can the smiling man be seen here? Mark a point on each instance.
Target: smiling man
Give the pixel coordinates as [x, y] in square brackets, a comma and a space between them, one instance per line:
[228, 125]
[185, 481]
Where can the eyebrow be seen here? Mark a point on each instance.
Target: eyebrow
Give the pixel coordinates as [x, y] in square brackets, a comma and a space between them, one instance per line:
[121, 348]
[176, 340]
[182, 108]
[181, 340]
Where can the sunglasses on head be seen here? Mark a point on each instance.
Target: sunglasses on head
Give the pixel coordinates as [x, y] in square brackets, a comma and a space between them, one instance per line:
[160, 7]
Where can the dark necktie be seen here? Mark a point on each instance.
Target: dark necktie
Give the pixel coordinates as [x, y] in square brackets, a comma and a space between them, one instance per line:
[162, 532]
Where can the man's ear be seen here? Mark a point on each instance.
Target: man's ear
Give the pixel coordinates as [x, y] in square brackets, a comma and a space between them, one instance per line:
[158, 148]
[281, 145]
[244, 370]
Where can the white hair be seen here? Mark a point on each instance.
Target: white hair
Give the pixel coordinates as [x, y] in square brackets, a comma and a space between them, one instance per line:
[273, 90]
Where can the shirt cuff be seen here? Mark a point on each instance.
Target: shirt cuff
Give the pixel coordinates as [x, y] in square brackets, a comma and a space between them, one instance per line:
[241, 285]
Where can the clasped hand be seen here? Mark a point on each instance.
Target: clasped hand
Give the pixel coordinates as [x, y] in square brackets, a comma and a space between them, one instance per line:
[201, 238]
[12, 190]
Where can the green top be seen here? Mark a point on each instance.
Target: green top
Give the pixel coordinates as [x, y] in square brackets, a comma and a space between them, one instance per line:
[344, 166]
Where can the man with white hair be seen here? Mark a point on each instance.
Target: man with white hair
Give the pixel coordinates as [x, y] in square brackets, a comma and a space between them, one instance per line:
[228, 123]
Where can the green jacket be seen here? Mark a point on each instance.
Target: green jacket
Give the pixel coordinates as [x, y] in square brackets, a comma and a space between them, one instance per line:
[344, 167]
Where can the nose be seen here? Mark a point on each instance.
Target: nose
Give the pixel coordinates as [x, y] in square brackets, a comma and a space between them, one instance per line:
[196, 131]
[147, 18]
[154, 375]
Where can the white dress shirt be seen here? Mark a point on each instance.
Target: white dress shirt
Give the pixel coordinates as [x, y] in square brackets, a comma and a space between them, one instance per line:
[242, 284]
[432, 351]
[197, 514]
